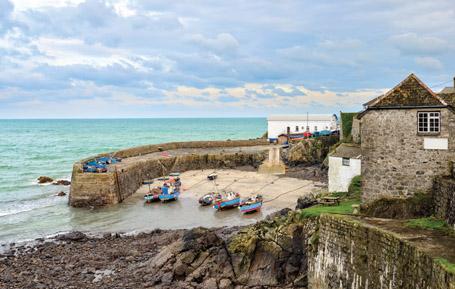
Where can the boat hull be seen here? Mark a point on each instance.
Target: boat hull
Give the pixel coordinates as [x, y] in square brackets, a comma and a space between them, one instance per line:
[169, 197]
[222, 205]
[250, 208]
[152, 198]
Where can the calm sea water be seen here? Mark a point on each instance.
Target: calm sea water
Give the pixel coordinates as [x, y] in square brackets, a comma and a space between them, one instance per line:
[31, 148]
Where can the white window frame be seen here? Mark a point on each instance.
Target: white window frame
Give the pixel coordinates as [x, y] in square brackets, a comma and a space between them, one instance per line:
[426, 122]
[346, 162]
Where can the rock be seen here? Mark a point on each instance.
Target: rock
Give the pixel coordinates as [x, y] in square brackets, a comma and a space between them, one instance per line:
[225, 284]
[305, 202]
[61, 183]
[61, 194]
[72, 236]
[210, 283]
[280, 213]
[44, 179]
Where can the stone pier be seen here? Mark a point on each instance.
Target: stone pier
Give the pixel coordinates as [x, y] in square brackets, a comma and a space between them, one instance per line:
[152, 161]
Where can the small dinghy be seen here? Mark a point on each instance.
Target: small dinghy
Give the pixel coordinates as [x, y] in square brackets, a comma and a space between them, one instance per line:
[252, 204]
[227, 200]
[212, 176]
[207, 199]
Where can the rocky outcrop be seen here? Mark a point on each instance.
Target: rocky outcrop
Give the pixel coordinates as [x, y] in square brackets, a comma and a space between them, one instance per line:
[286, 251]
[44, 179]
[61, 183]
[309, 151]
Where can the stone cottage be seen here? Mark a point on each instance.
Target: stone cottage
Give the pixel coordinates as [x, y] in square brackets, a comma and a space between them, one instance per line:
[407, 138]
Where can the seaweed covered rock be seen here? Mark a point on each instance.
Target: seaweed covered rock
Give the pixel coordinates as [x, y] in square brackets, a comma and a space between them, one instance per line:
[419, 205]
[310, 151]
[44, 179]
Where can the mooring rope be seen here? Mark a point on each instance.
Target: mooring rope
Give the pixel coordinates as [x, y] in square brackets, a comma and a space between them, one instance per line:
[267, 184]
[282, 194]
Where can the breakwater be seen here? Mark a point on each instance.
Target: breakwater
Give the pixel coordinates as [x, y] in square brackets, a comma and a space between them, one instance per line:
[152, 161]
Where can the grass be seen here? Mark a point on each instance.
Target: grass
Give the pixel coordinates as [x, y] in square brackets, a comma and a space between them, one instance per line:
[429, 223]
[344, 208]
[352, 197]
[446, 264]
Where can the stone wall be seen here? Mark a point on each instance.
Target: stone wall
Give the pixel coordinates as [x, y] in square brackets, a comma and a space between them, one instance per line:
[444, 199]
[351, 255]
[394, 161]
[89, 189]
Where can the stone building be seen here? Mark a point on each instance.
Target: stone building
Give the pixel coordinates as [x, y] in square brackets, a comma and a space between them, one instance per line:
[407, 139]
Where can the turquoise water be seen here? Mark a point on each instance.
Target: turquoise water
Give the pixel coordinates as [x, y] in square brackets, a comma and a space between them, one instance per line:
[32, 148]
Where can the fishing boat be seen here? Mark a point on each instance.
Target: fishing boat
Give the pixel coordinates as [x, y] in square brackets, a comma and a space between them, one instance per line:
[207, 199]
[212, 176]
[251, 204]
[168, 194]
[227, 200]
[153, 195]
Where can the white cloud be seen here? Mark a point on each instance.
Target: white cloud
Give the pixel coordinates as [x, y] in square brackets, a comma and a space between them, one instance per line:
[21, 5]
[411, 43]
[429, 63]
[223, 42]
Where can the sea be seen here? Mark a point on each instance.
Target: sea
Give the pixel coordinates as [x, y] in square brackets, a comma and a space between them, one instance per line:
[49, 147]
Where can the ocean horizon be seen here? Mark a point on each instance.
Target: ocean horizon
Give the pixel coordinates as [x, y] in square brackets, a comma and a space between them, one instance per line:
[30, 148]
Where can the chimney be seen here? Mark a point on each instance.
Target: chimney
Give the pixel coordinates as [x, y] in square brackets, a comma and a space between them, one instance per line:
[454, 82]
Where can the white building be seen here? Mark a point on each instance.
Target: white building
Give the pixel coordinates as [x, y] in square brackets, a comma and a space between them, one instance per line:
[344, 164]
[290, 124]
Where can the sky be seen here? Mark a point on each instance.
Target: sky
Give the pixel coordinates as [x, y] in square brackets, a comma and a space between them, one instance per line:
[161, 58]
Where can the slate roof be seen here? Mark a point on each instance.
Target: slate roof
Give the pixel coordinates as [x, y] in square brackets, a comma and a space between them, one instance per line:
[346, 150]
[410, 93]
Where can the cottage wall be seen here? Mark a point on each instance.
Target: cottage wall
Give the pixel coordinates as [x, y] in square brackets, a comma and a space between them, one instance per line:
[340, 176]
[394, 161]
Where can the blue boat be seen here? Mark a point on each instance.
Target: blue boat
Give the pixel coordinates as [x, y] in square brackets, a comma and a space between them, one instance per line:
[325, 133]
[229, 201]
[169, 197]
[252, 204]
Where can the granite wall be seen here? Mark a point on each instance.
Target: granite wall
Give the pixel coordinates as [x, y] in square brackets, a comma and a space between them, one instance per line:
[444, 199]
[351, 255]
[394, 161]
[99, 189]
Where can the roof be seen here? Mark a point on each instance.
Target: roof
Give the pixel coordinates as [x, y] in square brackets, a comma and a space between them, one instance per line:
[301, 117]
[409, 93]
[447, 90]
[346, 150]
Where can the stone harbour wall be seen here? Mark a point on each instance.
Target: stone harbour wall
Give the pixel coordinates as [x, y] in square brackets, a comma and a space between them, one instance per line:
[351, 255]
[99, 189]
[394, 161]
[444, 199]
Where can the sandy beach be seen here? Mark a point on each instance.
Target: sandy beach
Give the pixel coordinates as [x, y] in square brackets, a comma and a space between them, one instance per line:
[279, 191]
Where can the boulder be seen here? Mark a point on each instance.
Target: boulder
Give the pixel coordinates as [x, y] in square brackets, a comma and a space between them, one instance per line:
[61, 194]
[44, 179]
[72, 236]
[62, 183]
[305, 202]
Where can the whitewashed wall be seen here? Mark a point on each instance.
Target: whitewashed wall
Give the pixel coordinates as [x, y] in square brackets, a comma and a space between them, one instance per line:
[340, 176]
[277, 127]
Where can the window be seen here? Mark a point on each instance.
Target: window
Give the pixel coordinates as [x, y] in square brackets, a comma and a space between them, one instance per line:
[429, 122]
[345, 162]
[316, 128]
[296, 128]
[307, 128]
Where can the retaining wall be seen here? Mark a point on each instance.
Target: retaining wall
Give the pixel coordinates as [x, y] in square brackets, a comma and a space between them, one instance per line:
[98, 189]
[444, 199]
[352, 255]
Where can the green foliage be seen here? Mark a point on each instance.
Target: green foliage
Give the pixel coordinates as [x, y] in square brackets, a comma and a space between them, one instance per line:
[429, 223]
[344, 208]
[446, 264]
[346, 124]
[355, 187]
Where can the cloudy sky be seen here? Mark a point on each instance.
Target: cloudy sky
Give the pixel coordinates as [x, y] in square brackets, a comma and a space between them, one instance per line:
[161, 58]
